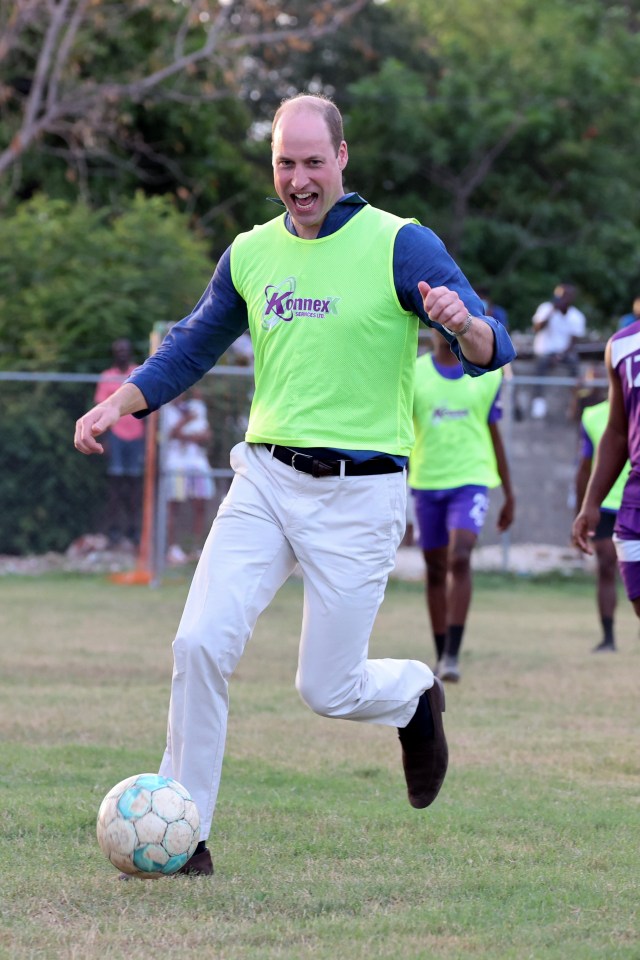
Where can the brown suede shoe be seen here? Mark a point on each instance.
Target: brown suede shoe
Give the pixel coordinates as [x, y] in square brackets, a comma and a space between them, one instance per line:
[199, 865]
[425, 758]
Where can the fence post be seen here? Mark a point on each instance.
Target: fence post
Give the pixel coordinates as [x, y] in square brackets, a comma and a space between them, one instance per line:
[145, 571]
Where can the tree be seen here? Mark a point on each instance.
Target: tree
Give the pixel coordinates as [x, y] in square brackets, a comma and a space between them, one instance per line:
[516, 141]
[329, 63]
[73, 279]
[115, 90]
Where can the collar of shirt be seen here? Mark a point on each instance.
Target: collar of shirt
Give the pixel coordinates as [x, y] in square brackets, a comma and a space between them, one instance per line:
[340, 213]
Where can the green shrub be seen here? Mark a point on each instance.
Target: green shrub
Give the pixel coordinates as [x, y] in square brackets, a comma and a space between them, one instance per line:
[71, 281]
[50, 494]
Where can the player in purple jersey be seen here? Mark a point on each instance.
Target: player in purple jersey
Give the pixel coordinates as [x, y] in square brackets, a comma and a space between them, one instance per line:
[621, 439]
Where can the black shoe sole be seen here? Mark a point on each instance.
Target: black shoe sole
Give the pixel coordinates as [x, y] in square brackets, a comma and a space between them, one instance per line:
[416, 757]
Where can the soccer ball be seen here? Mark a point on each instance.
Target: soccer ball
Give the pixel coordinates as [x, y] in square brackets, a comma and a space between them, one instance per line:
[148, 826]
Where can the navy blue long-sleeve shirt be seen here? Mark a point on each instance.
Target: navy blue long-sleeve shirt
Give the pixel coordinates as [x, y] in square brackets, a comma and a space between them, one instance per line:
[196, 343]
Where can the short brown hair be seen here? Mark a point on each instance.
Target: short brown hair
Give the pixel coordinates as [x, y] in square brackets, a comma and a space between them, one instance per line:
[322, 105]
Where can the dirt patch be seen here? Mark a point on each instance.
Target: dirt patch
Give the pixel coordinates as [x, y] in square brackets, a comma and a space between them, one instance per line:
[524, 558]
[93, 554]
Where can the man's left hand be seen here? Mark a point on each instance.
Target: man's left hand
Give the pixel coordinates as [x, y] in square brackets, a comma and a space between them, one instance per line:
[443, 306]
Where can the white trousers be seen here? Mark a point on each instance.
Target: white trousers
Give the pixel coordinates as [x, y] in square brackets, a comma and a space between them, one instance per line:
[344, 533]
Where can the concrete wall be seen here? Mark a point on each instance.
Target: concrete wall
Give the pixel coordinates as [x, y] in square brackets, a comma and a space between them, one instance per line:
[543, 456]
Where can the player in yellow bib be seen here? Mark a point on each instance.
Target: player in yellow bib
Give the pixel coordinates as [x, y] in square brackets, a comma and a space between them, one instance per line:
[458, 456]
[593, 423]
[332, 291]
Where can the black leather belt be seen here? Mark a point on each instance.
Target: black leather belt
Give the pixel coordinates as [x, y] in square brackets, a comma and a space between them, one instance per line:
[307, 463]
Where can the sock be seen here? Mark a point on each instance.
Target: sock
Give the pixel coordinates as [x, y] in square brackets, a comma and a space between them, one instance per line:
[421, 723]
[439, 639]
[454, 640]
[607, 628]
[202, 846]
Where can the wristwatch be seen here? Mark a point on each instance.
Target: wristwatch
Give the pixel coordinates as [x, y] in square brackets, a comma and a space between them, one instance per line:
[465, 328]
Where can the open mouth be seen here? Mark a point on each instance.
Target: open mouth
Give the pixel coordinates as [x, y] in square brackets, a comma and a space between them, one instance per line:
[303, 201]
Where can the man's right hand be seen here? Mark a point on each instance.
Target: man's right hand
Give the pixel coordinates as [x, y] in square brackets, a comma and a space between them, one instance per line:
[94, 423]
[584, 527]
[127, 399]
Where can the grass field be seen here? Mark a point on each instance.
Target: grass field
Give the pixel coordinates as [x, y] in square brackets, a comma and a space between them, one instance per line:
[531, 850]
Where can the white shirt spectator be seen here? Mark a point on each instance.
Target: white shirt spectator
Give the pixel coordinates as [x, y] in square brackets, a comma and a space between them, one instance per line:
[561, 328]
[185, 459]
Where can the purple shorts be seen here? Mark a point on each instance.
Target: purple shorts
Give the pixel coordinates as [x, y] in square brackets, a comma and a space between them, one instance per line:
[627, 542]
[438, 512]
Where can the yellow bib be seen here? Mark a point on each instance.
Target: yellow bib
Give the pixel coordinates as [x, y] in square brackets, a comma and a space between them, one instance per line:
[334, 350]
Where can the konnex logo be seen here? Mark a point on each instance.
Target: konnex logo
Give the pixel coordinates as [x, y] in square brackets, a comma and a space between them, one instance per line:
[282, 304]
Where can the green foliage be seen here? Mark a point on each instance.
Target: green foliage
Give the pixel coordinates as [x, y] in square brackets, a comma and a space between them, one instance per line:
[511, 128]
[107, 133]
[73, 279]
[65, 490]
[515, 141]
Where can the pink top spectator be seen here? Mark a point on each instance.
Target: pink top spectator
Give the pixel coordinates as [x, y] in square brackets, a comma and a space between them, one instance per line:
[127, 428]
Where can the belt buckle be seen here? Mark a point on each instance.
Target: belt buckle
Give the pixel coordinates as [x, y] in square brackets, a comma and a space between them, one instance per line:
[317, 468]
[295, 454]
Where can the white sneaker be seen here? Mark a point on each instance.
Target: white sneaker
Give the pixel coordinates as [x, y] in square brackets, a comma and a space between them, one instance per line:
[176, 555]
[448, 669]
[539, 408]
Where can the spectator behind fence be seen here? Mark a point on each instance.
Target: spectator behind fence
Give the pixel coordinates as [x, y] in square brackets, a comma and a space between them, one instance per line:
[189, 478]
[632, 317]
[558, 326]
[124, 447]
[593, 421]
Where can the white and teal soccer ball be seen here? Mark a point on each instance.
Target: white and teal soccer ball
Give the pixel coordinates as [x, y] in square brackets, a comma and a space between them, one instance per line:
[148, 826]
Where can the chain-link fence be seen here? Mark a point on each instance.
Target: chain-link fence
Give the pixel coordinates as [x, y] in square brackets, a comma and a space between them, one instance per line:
[543, 446]
[51, 495]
